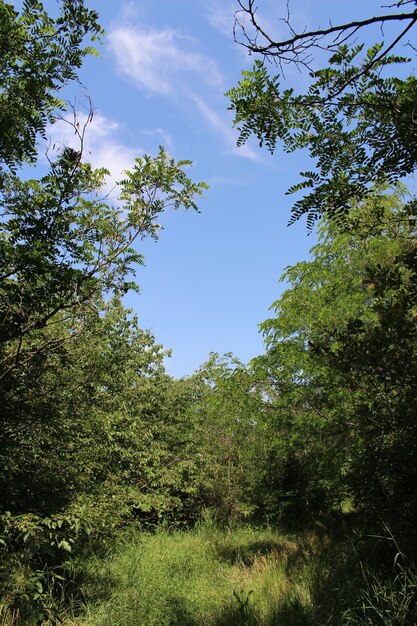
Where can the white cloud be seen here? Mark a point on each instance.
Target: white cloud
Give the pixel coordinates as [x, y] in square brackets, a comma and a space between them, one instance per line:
[160, 60]
[166, 63]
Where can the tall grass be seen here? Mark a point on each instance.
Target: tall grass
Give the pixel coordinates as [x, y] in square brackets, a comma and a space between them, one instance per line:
[387, 598]
[242, 576]
[204, 577]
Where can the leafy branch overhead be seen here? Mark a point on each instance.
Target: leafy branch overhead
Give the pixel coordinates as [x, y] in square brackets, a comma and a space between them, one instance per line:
[357, 123]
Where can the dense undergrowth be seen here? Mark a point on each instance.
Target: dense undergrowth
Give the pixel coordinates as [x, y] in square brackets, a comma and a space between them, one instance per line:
[238, 576]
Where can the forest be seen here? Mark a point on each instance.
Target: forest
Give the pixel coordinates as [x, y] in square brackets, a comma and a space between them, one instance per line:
[276, 493]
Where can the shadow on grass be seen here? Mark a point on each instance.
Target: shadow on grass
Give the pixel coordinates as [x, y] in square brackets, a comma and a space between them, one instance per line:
[245, 554]
[293, 614]
[239, 612]
[181, 615]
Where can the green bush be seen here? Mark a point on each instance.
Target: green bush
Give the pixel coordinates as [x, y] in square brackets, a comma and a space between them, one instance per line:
[34, 551]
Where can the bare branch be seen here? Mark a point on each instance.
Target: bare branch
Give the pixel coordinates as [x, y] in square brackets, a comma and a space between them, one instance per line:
[299, 46]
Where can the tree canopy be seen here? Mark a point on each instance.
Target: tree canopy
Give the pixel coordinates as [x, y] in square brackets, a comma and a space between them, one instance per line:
[341, 355]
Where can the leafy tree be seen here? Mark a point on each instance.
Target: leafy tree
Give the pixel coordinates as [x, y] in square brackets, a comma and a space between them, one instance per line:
[62, 244]
[230, 424]
[74, 402]
[341, 356]
[64, 247]
[341, 349]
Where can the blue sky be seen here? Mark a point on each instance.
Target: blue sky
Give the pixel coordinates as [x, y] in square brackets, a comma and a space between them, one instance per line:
[211, 277]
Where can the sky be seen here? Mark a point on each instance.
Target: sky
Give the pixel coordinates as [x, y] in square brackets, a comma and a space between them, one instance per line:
[164, 67]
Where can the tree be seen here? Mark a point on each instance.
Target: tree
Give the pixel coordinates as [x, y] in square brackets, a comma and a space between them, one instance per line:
[61, 241]
[357, 123]
[57, 440]
[234, 440]
[64, 247]
[342, 358]
[62, 244]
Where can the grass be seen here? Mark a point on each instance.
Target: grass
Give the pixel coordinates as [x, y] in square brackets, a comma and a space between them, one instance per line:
[204, 577]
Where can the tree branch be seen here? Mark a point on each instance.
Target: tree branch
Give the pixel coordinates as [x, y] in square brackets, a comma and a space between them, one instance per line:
[297, 48]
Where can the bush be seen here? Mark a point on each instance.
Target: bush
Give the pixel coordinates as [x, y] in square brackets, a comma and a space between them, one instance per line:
[34, 551]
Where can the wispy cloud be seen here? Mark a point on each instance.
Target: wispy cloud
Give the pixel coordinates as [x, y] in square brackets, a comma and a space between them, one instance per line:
[224, 128]
[167, 63]
[160, 60]
[221, 17]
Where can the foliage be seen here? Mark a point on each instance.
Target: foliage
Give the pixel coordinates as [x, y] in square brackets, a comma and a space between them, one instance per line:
[33, 553]
[62, 245]
[387, 599]
[40, 54]
[250, 464]
[63, 250]
[341, 357]
[356, 124]
[229, 425]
